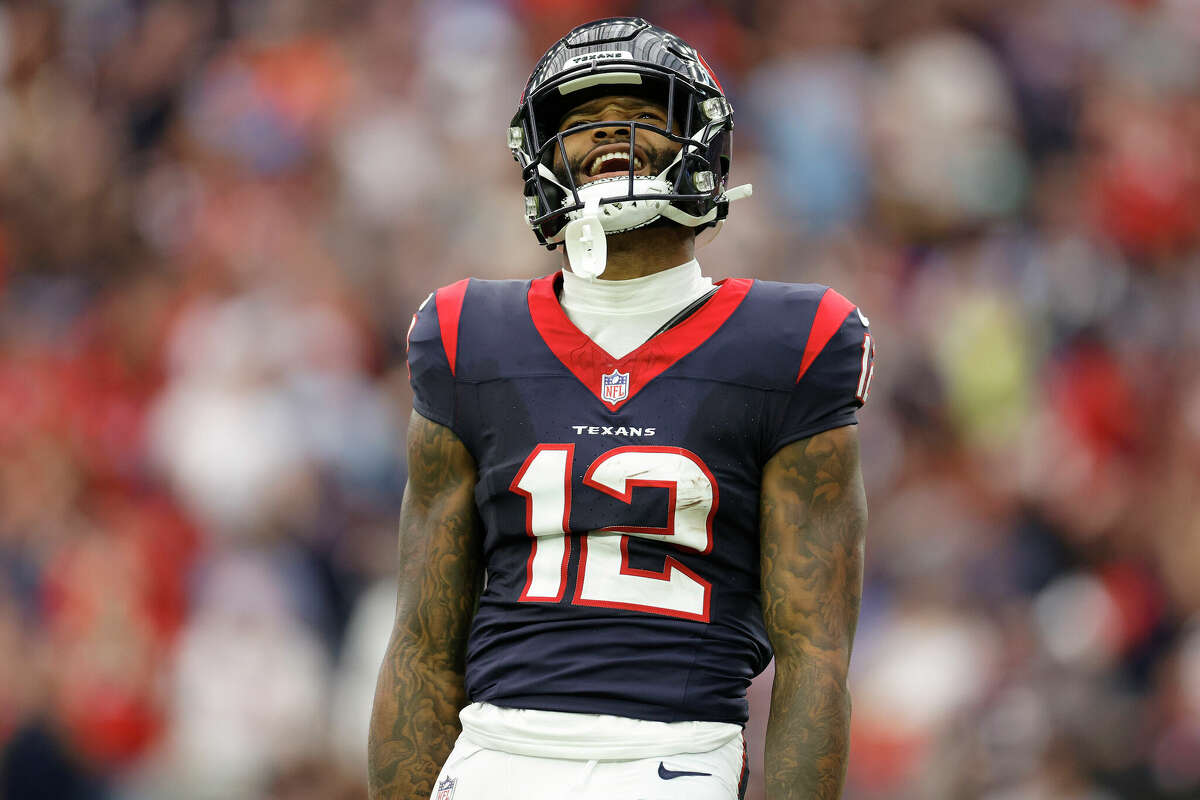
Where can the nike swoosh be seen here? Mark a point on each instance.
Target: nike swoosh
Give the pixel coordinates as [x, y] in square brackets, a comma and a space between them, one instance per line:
[669, 774]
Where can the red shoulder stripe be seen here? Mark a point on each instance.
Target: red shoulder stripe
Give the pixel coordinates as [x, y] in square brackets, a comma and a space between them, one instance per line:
[831, 313]
[449, 307]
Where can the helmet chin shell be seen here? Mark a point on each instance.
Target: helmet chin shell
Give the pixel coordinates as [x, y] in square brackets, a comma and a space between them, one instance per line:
[623, 56]
[618, 213]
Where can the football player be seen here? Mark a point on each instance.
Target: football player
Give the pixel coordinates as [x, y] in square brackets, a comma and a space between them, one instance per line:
[629, 485]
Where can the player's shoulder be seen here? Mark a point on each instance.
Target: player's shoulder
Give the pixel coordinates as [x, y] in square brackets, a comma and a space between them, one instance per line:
[449, 307]
[782, 291]
[483, 292]
[794, 298]
[787, 312]
[780, 329]
[462, 322]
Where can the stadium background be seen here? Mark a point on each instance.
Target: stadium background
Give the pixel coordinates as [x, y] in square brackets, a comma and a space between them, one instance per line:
[216, 219]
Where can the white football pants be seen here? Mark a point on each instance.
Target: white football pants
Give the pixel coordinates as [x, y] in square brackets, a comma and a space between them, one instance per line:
[477, 773]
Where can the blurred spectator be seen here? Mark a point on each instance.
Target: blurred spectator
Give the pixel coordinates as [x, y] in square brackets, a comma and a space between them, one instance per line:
[808, 102]
[250, 684]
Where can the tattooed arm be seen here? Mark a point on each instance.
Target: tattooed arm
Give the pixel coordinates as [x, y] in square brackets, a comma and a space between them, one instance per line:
[813, 511]
[414, 721]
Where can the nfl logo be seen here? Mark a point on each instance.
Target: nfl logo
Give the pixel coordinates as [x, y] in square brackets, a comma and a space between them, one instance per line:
[445, 788]
[614, 387]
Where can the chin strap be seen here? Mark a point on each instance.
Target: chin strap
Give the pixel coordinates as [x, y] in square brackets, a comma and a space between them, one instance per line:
[690, 220]
[587, 249]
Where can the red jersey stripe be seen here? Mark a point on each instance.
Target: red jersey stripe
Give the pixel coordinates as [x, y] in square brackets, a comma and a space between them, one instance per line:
[831, 313]
[449, 301]
[588, 361]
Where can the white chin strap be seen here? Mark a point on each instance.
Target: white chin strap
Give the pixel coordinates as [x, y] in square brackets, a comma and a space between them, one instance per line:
[584, 235]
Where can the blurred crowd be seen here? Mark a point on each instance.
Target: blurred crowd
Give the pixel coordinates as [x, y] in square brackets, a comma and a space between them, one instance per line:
[217, 217]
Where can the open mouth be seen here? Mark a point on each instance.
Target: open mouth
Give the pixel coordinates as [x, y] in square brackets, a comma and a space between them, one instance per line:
[611, 161]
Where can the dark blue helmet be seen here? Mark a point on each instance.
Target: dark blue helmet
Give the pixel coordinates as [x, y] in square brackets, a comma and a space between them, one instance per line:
[624, 56]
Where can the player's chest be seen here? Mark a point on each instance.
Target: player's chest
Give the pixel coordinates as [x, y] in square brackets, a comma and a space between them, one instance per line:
[608, 495]
[673, 411]
[679, 443]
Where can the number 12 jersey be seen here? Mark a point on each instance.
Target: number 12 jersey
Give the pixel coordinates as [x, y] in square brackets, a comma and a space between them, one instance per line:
[619, 497]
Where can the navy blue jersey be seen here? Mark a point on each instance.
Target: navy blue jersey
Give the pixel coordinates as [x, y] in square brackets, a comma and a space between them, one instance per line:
[620, 497]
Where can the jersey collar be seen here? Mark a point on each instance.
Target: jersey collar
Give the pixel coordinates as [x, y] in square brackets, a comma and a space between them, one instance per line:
[614, 381]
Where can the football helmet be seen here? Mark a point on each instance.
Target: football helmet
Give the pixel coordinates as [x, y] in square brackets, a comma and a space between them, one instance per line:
[622, 56]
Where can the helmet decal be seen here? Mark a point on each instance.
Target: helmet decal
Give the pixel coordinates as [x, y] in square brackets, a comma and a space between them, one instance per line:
[709, 69]
[586, 58]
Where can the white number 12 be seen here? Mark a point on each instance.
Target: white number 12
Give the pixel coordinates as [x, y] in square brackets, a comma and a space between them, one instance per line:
[605, 577]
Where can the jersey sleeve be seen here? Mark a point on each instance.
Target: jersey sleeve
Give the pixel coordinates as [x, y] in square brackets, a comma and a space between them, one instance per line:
[430, 364]
[834, 375]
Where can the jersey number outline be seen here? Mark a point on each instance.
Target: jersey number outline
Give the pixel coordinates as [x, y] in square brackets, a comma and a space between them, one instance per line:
[606, 579]
[867, 371]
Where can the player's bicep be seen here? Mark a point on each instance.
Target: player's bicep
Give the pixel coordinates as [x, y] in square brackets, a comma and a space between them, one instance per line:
[440, 561]
[813, 518]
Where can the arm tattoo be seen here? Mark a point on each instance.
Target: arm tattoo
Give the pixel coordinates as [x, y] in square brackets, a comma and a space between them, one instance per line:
[414, 721]
[813, 514]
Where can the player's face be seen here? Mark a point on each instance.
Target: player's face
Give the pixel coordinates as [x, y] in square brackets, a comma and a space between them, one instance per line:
[604, 152]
